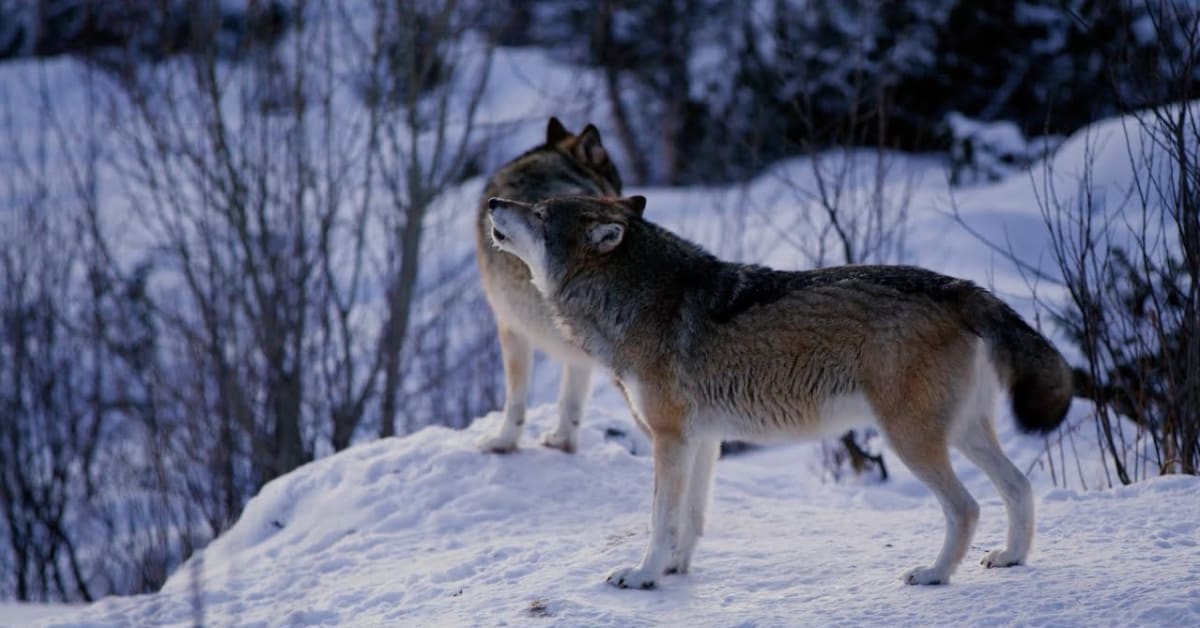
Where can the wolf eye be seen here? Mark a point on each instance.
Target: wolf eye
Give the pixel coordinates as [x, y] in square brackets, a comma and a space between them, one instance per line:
[540, 213]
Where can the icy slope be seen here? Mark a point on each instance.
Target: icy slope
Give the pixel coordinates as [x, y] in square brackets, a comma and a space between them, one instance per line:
[424, 530]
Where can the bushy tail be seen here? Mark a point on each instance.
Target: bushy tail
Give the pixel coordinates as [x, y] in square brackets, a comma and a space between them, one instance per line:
[1039, 379]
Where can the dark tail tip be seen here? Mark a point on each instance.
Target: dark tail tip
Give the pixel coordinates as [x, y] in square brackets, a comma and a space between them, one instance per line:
[1038, 377]
[1041, 398]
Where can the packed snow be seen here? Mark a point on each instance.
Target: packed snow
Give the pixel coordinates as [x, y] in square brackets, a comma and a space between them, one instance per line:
[425, 530]
[16, 614]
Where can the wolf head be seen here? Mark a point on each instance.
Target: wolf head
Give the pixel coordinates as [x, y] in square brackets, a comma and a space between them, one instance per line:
[561, 235]
[586, 152]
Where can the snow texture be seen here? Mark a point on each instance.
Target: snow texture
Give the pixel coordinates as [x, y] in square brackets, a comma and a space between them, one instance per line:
[15, 614]
[425, 530]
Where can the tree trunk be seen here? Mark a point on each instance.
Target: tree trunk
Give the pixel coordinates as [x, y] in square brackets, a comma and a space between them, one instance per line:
[400, 296]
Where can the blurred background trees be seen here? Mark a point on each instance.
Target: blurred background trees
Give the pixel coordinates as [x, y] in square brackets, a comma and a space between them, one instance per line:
[745, 83]
[224, 256]
[212, 266]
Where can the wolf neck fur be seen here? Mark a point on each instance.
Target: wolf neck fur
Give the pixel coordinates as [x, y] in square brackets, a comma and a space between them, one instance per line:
[642, 314]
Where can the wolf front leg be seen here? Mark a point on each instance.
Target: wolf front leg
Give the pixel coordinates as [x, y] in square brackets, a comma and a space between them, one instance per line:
[573, 394]
[673, 455]
[695, 502]
[517, 353]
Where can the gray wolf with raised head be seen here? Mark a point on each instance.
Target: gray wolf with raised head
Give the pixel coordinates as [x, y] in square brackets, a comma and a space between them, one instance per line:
[566, 164]
[706, 350]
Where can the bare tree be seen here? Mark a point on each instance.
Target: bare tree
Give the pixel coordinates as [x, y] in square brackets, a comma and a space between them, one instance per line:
[43, 435]
[271, 293]
[219, 173]
[56, 395]
[423, 151]
[1128, 263]
[258, 185]
[1135, 301]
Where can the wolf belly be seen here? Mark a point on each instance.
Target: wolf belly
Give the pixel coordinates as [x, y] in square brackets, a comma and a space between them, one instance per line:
[830, 419]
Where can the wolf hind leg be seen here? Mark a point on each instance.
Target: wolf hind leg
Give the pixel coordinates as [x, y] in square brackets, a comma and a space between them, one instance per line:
[979, 444]
[695, 503]
[517, 354]
[929, 460]
[573, 394]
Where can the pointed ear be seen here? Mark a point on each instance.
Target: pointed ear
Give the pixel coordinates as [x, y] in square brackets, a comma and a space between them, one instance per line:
[635, 204]
[605, 236]
[556, 132]
[589, 149]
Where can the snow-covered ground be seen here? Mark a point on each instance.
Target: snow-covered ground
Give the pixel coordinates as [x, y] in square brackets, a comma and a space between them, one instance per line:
[425, 530]
[16, 614]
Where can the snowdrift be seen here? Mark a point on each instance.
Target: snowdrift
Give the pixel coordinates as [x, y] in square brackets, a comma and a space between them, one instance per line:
[425, 530]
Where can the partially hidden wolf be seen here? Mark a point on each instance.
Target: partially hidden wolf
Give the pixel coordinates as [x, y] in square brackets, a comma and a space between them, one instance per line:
[566, 164]
[705, 350]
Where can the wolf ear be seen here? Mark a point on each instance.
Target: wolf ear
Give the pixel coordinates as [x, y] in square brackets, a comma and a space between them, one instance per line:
[635, 204]
[589, 149]
[556, 132]
[605, 236]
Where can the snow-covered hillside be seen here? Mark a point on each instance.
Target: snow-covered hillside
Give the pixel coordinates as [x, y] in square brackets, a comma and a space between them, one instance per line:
[425, 530]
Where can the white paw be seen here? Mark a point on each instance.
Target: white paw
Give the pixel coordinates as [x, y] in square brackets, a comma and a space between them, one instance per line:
[497, 445]
[925, 575]
[554, 440]
[631, 578]
[1001, 558]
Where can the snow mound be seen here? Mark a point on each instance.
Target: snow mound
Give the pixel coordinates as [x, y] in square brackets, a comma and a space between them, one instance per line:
[425, 530]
